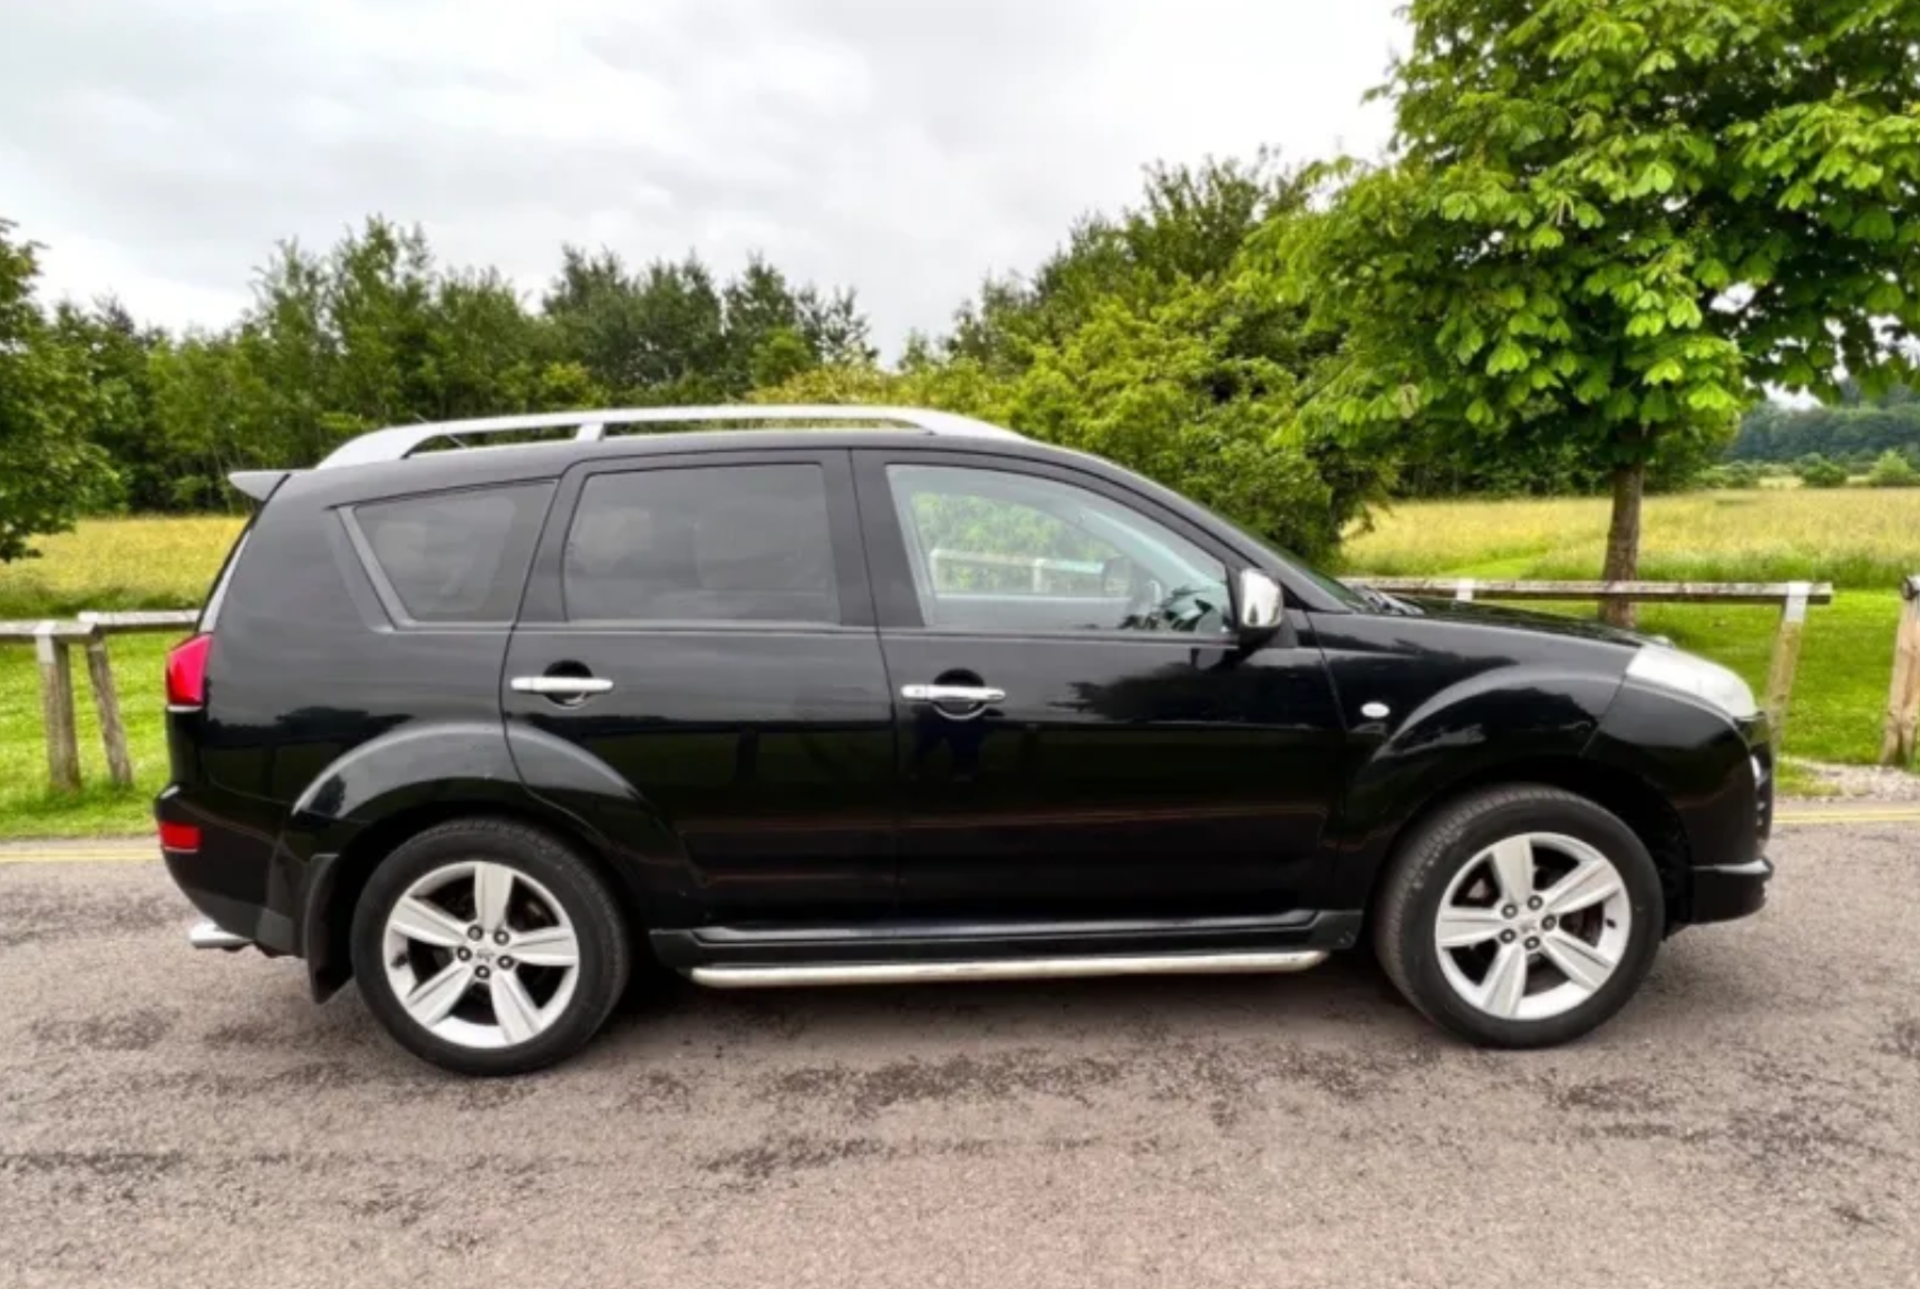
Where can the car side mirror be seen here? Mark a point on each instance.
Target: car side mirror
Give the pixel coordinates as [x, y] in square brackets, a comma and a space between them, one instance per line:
[1262, 607]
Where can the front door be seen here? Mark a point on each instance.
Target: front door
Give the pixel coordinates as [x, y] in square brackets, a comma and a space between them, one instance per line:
[716, 605]
[1081, 734]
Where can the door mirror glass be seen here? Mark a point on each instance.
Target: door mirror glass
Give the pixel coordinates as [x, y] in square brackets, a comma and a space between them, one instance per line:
[1261, 601]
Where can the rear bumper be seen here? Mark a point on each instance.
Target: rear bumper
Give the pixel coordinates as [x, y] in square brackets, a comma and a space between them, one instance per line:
[229, 877]
[1724, 892]
[253, 923]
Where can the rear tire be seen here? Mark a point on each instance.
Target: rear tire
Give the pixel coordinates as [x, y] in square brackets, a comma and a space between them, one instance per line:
[435, 938]
[1551, 909]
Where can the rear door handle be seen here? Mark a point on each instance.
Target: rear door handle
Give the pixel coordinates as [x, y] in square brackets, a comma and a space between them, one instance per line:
[560, 686]
[952, 694]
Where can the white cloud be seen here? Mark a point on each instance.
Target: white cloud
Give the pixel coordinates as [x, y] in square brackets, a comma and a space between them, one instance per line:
[159, 149]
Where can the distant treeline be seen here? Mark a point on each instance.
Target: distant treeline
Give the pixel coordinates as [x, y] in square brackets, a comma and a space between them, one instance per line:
[1855, 432]
[1150, 336]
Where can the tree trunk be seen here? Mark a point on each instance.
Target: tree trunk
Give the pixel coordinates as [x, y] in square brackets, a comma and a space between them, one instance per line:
[1623, 540]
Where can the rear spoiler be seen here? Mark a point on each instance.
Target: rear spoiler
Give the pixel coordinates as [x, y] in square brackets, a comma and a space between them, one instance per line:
[259, 484]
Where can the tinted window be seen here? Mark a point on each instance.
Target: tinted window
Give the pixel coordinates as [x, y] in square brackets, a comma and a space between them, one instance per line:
[456, 556]
[725, 543]
[998, 551]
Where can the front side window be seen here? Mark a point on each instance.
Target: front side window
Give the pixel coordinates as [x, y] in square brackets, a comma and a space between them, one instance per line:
[997, 551]
[704, 544]
[456, 556]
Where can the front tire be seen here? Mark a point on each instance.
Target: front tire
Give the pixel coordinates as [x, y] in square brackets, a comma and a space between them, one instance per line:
[488, 947]
[1520, 917]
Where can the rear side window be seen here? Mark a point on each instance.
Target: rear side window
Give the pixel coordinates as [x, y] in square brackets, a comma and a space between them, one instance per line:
[703, 544]
[454, 556]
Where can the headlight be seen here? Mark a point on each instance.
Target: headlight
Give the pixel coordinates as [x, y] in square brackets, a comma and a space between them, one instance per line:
[1689, 674]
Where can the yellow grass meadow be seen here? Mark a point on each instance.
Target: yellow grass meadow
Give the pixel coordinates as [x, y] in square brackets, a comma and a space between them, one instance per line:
[146, 563]
[1853, 537]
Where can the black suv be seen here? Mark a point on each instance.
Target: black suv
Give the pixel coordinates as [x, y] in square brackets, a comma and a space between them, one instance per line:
[892, 695]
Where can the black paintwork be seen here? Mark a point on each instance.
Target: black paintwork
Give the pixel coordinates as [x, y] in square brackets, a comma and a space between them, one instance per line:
[760, 792]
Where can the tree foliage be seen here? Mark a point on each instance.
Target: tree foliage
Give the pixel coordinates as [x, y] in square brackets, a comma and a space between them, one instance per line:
[1771, 432]
[1609, 223]
[49, 470]
[1145, 339]
[377, 331]
[1892, 470]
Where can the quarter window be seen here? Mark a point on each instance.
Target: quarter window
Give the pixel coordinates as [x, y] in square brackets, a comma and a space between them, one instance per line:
[704, 544]
[998, 551]
[456, 556]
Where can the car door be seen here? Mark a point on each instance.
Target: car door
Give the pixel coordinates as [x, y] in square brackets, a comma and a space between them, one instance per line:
[701, 625]
[1081, 733]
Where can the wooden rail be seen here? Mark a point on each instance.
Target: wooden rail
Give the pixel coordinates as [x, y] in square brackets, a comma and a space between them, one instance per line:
[53, 641]
[1791, 597]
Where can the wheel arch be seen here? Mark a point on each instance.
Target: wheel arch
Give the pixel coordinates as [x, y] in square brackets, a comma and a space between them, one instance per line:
[338, 878]
[1636, 802]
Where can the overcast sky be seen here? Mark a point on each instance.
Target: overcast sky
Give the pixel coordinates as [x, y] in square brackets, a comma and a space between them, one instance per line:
[901, 147]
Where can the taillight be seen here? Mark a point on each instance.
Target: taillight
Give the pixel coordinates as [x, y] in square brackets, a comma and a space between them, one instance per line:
[179, 836]
[187, 672]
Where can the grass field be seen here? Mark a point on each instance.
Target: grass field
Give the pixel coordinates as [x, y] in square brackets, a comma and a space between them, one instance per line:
[118, 564]
[1871, 539]
[1852, 537]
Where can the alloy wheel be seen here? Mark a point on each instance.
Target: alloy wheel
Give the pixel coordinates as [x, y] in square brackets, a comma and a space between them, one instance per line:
[481, 955]
[1533, 926]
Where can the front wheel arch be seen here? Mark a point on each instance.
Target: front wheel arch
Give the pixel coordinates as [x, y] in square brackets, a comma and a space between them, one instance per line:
[1635, 801]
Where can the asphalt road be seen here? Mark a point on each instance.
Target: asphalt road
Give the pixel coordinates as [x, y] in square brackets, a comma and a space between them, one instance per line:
[178, 1118]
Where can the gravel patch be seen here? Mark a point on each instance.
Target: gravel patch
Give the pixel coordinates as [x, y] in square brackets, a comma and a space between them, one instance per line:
[1863, 782]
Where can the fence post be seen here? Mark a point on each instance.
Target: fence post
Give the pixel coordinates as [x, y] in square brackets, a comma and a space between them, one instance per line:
[1463, 590]
[106, 704]
[1786, 656]
[1903, 696]
[56, 707]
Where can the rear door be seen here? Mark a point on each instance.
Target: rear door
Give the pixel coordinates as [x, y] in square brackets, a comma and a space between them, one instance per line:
[701, 624]
[1081, 734]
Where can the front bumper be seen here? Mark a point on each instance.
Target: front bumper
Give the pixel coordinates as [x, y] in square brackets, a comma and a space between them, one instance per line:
[1724, 892]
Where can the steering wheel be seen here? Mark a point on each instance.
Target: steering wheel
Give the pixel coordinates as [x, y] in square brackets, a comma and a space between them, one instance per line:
[1144, 606]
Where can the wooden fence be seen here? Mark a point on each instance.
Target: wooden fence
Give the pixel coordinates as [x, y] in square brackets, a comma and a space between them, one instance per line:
[53, 643]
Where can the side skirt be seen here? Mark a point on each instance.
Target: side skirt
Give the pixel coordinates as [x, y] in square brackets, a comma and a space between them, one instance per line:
[768, 956]
[910, 973]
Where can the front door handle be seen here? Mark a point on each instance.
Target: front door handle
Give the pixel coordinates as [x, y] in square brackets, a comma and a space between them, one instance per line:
[952, 694]
[560, 686]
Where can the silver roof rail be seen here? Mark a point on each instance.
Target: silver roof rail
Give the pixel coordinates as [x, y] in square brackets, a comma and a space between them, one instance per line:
[399, 441]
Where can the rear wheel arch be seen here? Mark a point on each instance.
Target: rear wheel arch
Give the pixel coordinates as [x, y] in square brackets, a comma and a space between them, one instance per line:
[327, 918]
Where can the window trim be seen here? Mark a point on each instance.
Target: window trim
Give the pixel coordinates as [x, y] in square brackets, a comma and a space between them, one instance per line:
[390, 600]
[544, 605]
[896, 597]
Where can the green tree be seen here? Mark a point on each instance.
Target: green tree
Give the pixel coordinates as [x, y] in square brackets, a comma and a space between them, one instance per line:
[1613, 222]
[1818, 472]
[1190, 224]
[672, 333]
[1891, 470]
[117, 353]
[49, 471]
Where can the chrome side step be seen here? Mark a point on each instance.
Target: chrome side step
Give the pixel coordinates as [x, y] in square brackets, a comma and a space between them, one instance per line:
[911, 973]
[208, 934]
